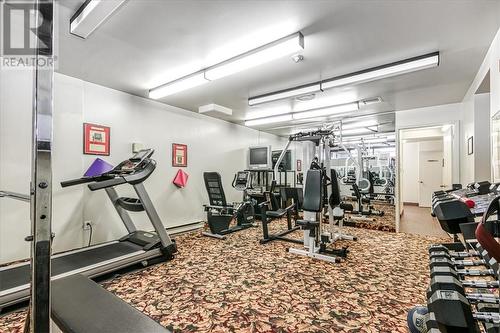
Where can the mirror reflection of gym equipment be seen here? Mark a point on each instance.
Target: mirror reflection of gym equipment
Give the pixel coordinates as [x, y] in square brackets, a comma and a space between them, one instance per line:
[249, 166]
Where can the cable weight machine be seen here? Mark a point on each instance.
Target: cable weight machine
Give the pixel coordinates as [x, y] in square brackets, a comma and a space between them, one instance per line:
[318, 203]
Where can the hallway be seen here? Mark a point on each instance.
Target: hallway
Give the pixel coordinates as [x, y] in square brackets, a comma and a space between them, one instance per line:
[418, 220]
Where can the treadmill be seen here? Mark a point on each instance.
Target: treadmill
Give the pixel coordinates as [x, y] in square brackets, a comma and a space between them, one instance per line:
[136, 247]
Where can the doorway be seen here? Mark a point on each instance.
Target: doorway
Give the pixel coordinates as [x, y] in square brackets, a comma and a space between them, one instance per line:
[425, 163]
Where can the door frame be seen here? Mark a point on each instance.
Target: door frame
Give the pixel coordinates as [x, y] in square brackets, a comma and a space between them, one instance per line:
[455, 166]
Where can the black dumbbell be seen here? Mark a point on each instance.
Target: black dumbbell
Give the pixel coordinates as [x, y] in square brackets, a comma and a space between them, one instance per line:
[451, 283]
[441, 250]
[459, 273]
[451, 312]
[447, 262]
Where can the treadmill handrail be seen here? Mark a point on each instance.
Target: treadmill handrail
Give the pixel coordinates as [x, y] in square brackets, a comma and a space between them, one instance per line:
[107, 183]
[15, 196]
[85, 180]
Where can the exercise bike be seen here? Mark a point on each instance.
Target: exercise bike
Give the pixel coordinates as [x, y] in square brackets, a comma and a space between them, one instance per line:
[220, 213]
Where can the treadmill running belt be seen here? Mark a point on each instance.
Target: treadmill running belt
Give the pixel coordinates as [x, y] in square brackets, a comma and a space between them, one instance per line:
[19, 276]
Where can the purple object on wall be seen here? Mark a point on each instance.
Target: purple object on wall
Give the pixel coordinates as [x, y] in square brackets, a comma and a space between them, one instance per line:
[97, 168]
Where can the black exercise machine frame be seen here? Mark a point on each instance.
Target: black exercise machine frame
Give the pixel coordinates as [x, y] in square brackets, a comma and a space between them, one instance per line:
[220, 214]
[267, 216]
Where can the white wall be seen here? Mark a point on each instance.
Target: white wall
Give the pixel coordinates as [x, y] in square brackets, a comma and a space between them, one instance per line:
[448, 157]
[213, 145]
[467, 161]
[482, 140]
[15, 160]
[490, 63]
[476, 124]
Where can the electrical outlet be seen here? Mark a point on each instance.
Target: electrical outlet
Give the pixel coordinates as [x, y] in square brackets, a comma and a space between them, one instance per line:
[87, 224]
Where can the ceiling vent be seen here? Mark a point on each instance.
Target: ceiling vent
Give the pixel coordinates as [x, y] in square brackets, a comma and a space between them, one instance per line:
[214, 108]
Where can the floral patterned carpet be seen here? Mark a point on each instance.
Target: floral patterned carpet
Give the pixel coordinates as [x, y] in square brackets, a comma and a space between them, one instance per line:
[387, 222]
[238, 285]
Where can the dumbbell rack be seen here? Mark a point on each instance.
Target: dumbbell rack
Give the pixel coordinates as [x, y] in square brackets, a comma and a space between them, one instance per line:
[463, 293]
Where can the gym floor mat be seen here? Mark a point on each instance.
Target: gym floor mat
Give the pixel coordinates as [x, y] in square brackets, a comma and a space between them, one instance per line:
[238, 285]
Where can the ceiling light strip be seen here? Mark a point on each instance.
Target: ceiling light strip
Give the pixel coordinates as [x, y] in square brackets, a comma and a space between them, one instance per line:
[381, 72]
[286, 93]
[328, 111]
[268, 120]
[91, 15]
[266, 53]
[181, 84]
[375, 73]
[314, 113]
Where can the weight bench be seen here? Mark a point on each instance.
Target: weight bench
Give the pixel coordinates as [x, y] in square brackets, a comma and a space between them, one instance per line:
[79, 305]
[275, 212]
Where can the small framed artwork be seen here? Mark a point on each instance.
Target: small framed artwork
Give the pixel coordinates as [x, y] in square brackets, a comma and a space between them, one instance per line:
[179, 155]
[299, 165]
[96, 139]
[470, 145]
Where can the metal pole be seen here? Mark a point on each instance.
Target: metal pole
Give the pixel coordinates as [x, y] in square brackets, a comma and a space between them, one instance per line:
[41, 168]
[15, 196]
[328, 173]
[282, 155]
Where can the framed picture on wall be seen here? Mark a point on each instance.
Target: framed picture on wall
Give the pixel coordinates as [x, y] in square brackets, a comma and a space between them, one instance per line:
[179, 155]
[96, 139]
[470, 145]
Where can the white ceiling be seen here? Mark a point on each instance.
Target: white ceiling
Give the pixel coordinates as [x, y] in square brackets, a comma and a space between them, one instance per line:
[147, 43]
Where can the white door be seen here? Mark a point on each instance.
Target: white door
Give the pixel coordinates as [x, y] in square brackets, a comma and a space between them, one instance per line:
[430, 171]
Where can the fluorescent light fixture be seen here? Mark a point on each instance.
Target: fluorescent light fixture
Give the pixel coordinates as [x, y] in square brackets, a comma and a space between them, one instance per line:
[274, 50]
[396, 68]
[311, 116]
[282, 94]
[358, 131]
[359, 124]
[325, 101]
[371, 136]
[327, 111]
[376, 73]
[368, 142]
[371, 141]
[269, 52]
[181, 84]
[268, 120]
[267, 112]
[91, 15]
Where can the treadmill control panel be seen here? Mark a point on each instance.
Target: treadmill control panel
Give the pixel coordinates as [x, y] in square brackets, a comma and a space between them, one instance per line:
[241, 180]
[131, 164]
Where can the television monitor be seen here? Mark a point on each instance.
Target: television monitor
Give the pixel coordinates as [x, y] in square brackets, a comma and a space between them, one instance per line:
[259, 158]
[286, 163]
